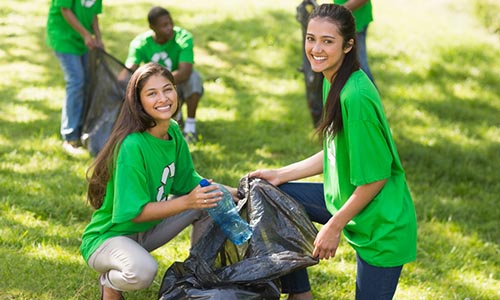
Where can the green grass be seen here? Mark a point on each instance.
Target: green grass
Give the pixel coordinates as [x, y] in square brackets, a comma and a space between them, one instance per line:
[438, 71]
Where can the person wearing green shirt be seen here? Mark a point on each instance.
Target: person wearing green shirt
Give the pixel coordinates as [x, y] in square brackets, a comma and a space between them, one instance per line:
[364, 195]
[363, 15]
[172, 47]
[143, 186]
[73, 29]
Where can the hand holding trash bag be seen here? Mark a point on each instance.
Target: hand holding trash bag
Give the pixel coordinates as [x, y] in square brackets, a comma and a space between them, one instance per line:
[282, 241]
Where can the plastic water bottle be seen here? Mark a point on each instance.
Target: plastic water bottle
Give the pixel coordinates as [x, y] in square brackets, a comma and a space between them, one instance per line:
[226, 215]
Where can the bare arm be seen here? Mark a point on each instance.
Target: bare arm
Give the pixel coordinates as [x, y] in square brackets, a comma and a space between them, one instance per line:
[198, 198]
[352, 5]
[310, 166]
[327, 240]
[73, 21]
[183, 72]
[97, 32]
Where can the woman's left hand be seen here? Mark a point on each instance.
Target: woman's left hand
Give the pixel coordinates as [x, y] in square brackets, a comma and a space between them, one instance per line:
[326, 242]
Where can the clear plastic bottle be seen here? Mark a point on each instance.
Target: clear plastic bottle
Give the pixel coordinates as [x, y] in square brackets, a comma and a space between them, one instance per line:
[226, 215]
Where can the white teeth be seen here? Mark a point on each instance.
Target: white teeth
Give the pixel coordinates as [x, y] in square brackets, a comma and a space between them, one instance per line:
[319, 58]
[166, 107]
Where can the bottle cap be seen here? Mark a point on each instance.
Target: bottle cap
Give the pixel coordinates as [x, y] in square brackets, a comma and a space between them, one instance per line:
[204, 182]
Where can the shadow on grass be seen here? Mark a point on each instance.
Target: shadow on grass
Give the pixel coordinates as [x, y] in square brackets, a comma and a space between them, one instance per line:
[459, 180]
[454, 179]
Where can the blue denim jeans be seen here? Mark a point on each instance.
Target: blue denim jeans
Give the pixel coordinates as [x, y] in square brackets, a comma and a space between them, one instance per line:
[372, 283]
[375, 283]
[311, 196]
[362, 53]
[75, 70]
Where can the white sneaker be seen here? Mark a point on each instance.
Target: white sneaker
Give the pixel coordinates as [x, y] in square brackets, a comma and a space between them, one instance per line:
[73, 148]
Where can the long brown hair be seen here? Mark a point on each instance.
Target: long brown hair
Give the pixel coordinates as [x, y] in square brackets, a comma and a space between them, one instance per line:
[331, 119]
[132, 118]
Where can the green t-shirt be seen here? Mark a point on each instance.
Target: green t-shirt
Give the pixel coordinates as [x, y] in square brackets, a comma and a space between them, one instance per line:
[362, 15]
[384, 233]
[144, 49]
[147, 169]
[60, 35]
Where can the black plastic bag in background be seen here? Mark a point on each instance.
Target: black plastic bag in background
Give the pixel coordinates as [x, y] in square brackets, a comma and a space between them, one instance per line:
[216, 269]
[108, 79]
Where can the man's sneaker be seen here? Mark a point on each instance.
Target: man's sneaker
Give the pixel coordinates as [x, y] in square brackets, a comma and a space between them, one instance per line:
[73, 148]
[190, 137]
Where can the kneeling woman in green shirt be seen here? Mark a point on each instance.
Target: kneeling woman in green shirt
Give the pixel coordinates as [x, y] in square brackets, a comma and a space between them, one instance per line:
[365, 195]
[145, 160]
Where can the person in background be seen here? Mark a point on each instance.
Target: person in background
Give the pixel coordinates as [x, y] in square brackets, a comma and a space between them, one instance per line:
[364, 195]
[144, 160]
[363, 15]
[73, 29]
[172, 47]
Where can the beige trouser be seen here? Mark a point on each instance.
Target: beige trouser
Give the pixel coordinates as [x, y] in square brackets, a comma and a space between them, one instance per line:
[124, 261]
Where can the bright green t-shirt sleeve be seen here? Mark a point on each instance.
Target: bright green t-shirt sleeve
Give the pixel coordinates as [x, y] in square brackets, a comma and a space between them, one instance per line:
[363, 15]
[185, 41]
[186, 177]
[130, 196]
[61, 37]
[369, 154]
[134, 56]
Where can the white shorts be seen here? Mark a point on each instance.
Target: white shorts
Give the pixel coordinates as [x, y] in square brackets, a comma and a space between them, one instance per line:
[191, 86]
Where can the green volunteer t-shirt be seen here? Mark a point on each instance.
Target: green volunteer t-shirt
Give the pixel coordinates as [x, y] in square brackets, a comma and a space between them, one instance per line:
[362, 15]
[61, 37]
[384, 233]
[147, 169]
[144, 49]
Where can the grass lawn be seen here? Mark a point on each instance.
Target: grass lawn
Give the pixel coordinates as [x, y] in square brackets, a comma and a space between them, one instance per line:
[438, 70]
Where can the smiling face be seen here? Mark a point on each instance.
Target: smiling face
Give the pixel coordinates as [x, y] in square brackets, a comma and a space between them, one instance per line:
[159, 99]
[325, 48]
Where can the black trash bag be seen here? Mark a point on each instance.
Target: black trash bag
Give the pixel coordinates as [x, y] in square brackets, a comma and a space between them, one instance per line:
[108, 79]
[216, 269]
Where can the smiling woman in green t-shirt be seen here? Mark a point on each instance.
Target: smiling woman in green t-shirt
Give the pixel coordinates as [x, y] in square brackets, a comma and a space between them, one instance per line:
[365, 195]
[144, 160]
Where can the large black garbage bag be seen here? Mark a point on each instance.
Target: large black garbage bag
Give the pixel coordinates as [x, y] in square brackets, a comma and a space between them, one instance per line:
[216, 269]
[108, 79]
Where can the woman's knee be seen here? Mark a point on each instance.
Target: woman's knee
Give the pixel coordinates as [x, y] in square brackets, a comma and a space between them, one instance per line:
[141, 276]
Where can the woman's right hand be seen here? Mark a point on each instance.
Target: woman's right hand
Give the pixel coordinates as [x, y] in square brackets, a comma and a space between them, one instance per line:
[204, 197]
[270, 175]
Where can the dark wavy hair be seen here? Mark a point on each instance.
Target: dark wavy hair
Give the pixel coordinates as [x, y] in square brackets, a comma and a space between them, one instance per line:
[132, 118]
[331, 119]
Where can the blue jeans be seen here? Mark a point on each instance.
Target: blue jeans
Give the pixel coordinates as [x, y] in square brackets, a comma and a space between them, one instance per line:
[75, 75]
[372, 283]
[311, 196]
[375, 283]
[362, 53]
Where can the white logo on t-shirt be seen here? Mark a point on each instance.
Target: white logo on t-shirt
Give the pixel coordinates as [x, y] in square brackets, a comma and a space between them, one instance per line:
[87, 3]
[168, 172]
[163, 59]
[330, 147]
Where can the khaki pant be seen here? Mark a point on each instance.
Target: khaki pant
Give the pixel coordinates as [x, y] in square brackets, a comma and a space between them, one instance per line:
[125, 263]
